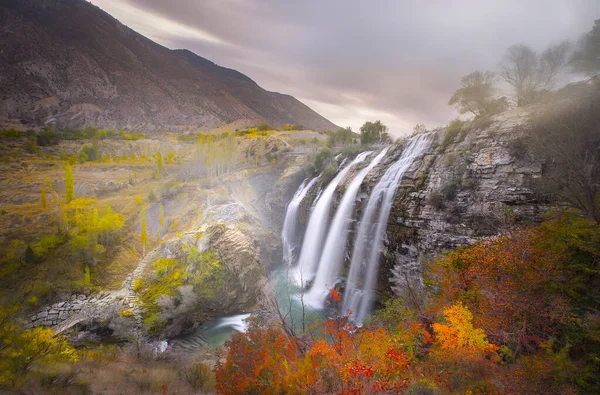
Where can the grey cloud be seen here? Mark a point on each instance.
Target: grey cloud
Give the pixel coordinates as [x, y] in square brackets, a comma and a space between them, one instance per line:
[402, 58]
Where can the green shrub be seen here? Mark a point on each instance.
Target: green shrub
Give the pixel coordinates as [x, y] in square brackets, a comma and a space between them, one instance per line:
[31, 146]
[151, 196]
[10, 134]
[322, 158]
[46, 244]
[329, 173]
[263, 127]
[32, 300]
[154, 323]
[91, 151]
[452, 130]
[352, 150]
[450, 190]
[46, 137]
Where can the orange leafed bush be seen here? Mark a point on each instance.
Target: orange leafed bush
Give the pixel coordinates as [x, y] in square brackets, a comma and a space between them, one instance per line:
[264, 360]
[458, 337]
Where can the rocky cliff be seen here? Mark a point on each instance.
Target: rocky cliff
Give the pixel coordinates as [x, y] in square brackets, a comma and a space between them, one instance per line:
[466, 188]
[69, 61]
[469, 185]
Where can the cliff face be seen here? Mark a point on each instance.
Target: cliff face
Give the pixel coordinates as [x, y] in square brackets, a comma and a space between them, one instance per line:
[476, 186]
[70, 61]
[463, 189]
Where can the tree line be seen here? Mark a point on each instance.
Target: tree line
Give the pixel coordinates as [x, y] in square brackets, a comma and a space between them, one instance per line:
[530, 74]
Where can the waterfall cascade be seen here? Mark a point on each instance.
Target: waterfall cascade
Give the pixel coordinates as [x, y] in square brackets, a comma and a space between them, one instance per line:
[335, 245]
[364, 266]
[318, 225]
[290, 234]
[236, 322]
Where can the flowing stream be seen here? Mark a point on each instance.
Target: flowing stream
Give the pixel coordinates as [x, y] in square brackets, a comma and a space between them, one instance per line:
[364, 266]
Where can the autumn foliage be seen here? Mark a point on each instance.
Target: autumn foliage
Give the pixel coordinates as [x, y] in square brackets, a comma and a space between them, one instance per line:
[512, 315]
[345, 360]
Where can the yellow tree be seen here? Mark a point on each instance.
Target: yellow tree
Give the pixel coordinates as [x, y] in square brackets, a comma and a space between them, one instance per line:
[458, 336]
[95, 220]
[21, 349]
[79, 220]
[159, 162]
[69, 183]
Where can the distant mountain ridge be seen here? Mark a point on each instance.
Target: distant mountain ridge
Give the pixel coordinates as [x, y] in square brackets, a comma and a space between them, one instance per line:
[68, 60]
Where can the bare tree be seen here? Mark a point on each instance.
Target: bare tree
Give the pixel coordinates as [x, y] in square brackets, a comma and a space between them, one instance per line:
[587, 56]
[531, 73]
[285, 314]
[566, 139]
[476, 95]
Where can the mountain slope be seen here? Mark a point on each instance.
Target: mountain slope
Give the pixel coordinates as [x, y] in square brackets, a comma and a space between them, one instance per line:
[69, 60]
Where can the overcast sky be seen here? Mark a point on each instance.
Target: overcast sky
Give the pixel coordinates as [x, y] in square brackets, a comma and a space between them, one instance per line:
[351, 61]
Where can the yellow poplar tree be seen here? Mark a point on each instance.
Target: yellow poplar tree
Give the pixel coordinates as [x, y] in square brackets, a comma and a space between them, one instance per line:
[79, 220]
[69, 183]
[159, 162]
[95, 221]
[88, 277]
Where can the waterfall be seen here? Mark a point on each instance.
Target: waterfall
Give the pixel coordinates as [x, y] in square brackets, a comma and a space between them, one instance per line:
[290, 236]
[237, 322]
[317, 227]
[335, 246]
[364, 266]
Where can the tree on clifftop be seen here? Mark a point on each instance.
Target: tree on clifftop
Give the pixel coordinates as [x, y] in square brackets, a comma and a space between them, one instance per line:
[566, 139]
[374, 132]
[476, 95]
[531, 73]
[587, 58]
